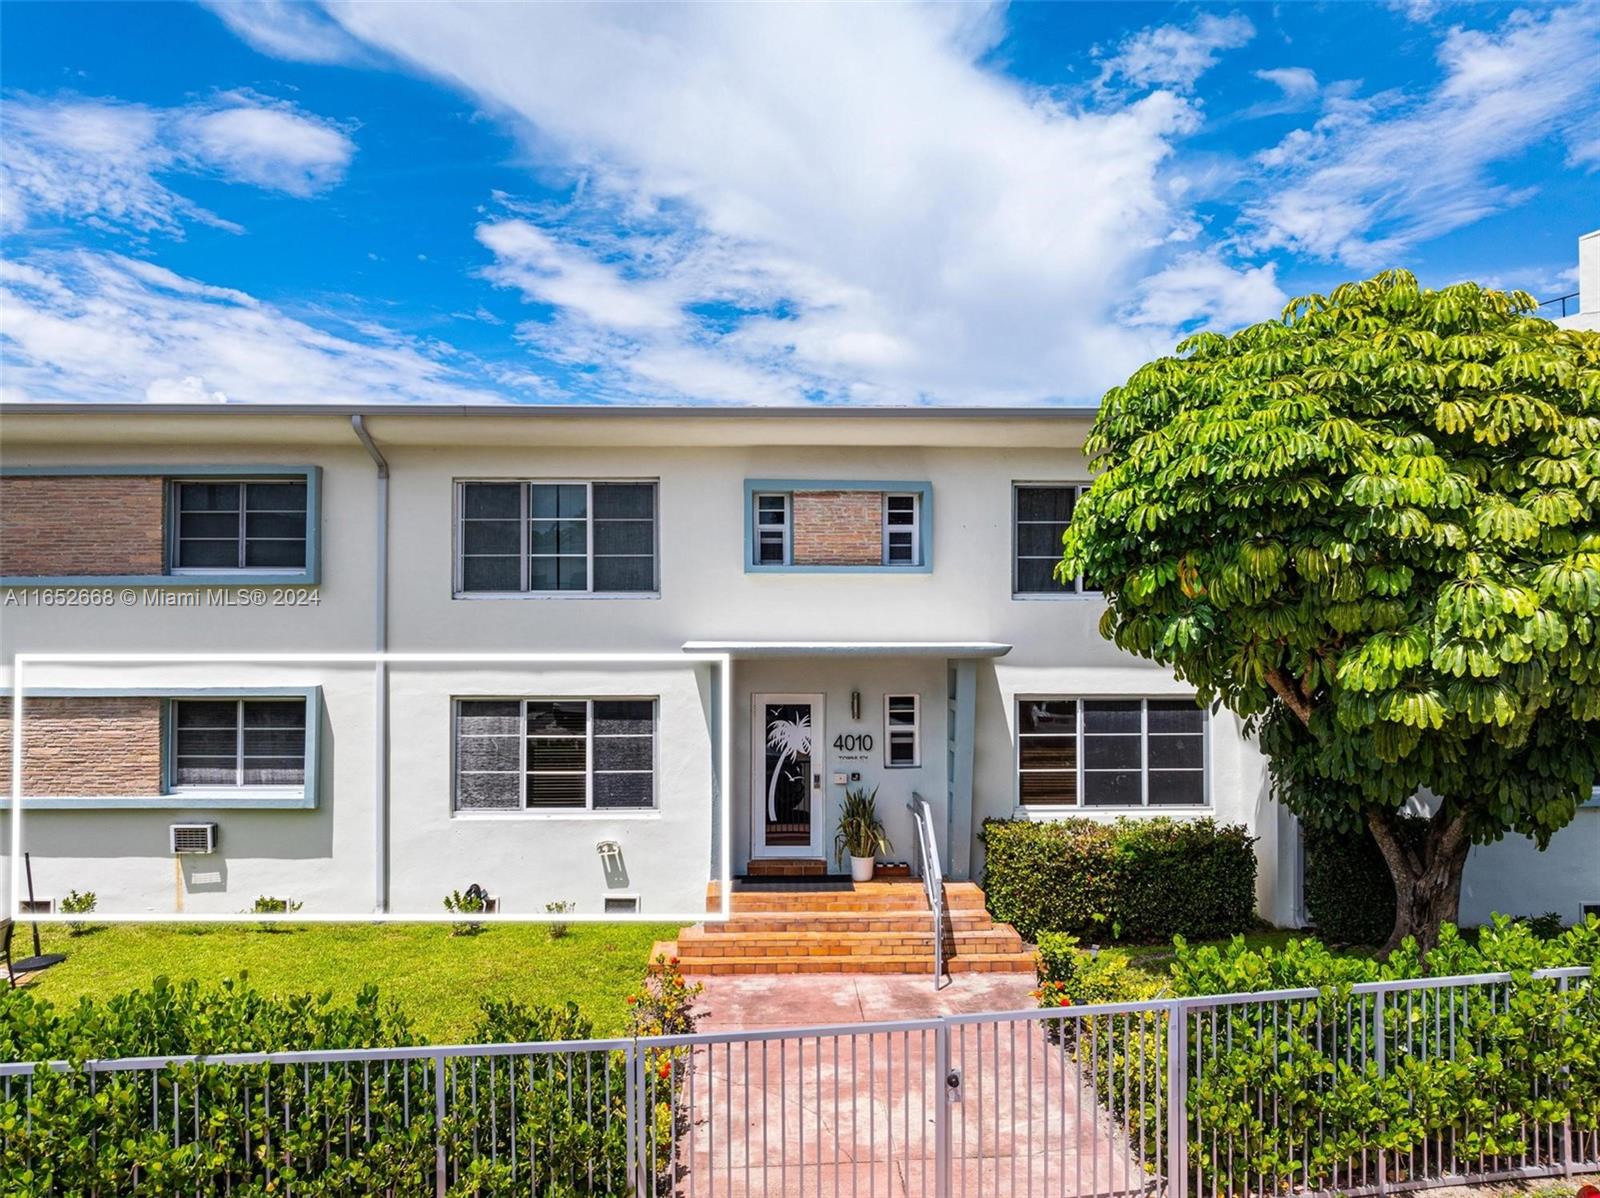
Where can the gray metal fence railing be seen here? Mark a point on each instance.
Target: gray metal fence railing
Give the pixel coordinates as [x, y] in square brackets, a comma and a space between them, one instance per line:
[1366, 1089]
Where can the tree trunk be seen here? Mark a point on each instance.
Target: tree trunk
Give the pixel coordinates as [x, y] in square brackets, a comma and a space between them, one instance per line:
[1427, 876]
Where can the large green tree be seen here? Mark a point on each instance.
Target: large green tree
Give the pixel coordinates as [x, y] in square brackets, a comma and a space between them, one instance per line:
[1372, 528]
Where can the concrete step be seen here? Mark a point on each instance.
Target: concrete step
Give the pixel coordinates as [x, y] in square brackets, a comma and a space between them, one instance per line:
[700, 941]
[746, 922]
[867, 896]
[920, 963]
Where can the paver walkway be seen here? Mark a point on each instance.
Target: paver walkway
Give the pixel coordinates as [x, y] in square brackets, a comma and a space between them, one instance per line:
[853, 1113]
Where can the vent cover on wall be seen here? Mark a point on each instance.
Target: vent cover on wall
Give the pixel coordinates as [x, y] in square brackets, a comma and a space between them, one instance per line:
[1589, 909]
[622, 904]
[193, 838]
[37, 906]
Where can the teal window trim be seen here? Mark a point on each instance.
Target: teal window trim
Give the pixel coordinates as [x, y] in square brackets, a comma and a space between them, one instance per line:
[788, 486]
[306, 798]
[169, 472]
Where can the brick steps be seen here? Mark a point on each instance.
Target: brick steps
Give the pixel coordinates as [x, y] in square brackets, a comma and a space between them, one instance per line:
[918, 963]
[709, 941]
[873, 927]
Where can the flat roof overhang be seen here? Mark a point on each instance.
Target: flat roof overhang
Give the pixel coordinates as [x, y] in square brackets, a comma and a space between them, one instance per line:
[754, 649]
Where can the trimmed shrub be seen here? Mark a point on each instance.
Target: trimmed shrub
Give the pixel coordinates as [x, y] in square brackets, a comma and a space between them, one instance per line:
[1139, 880]
[1349, 893]
[1071, 975]
[1497, 1072]
[315, 1131]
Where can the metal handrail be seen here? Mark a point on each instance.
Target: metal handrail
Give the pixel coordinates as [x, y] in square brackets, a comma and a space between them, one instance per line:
[932, 877]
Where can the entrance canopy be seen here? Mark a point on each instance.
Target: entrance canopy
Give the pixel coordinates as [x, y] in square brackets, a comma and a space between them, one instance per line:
[947, 649]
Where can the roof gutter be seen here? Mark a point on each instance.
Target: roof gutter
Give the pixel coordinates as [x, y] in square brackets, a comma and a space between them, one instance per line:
[1078, 409]
[380, 819]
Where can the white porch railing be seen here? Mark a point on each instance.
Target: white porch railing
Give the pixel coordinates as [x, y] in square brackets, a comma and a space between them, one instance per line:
[932, 878]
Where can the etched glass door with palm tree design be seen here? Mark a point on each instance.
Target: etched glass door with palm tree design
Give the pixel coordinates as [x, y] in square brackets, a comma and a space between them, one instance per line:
[786, 742]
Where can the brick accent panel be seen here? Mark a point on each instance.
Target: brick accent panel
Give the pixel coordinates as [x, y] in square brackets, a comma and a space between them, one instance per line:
[81, 525]
[85, 746]
[838, 528]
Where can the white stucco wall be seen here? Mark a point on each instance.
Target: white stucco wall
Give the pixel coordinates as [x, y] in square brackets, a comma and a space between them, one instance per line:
[1513, 877]
[321, 857]
[529, 859]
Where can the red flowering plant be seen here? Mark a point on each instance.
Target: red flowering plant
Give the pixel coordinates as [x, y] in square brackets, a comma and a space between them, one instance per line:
[664, 1006]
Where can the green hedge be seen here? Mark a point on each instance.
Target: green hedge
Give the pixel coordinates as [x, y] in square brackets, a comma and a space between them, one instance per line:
[1349, 893]
[314, 1131]
[1495, 1072]
[1139, 880]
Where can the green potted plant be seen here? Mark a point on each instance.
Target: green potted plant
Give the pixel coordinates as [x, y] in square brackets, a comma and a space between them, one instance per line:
[860, 833]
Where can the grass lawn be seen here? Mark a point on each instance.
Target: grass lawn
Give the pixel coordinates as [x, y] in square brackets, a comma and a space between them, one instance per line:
[1155, 959]
[437, 978]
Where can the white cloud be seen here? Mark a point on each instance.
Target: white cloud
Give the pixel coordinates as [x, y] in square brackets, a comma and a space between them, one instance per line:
[1176, 56]
[290, 29]
[1296, 83]
[1376, 175]
[275, 148]
[1202, 289]
[791, 201]
[89, 327]
[105, 162]
[531, 260]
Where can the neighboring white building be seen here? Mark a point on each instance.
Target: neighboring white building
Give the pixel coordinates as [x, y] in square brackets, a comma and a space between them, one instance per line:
[871, 589]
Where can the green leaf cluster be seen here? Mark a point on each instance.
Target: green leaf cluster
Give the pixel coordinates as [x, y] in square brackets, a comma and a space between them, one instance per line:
[1135, 880]
[1379, 514]
[318, 1131]
[1288, 1096]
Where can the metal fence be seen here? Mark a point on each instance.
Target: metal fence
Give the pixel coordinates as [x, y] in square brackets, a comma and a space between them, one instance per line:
[1374, 1088]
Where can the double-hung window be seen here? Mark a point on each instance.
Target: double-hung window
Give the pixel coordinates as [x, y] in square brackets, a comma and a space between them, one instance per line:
[554, 538]
[901, 730]
[254, 524]
[773, 530]
[238, 743]
[901, 530]
[555, 754]
[1111, 753]
[1041, 513]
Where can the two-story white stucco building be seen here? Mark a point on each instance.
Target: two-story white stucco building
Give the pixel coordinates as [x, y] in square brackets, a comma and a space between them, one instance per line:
[620, 650]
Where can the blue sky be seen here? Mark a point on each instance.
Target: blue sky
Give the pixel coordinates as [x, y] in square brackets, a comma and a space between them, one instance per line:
[726, 204]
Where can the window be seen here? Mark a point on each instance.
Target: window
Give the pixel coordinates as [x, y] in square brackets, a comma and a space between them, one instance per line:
[555, 754]
[772, 542]
[1111, 753]
[251, 525]
[1042, 513]
[238, 743]
[557, 538]
[900, 730]
[900, 531]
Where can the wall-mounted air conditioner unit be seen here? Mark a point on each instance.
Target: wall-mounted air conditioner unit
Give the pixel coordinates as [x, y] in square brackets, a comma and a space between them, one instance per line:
[193, 838]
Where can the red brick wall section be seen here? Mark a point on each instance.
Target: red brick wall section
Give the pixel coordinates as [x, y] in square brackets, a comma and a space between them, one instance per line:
[838, 528]
[85, 746]
[81, 525]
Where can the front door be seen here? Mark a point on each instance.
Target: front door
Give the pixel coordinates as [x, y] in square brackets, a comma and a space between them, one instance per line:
[786, 777]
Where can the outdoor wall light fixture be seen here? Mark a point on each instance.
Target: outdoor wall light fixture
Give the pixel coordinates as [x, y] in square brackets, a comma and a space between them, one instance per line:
[855, 705]
[608, 849]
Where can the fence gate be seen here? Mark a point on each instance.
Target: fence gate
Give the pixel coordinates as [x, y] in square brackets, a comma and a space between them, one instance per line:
[1031, 1103]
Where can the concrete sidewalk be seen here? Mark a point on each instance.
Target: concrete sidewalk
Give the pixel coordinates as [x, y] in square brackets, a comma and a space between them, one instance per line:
[854, 1114]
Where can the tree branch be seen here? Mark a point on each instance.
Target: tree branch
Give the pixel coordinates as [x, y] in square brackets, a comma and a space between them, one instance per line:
[1288, 690]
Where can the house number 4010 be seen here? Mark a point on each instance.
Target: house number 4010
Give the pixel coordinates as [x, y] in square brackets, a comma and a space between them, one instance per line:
[854, 742]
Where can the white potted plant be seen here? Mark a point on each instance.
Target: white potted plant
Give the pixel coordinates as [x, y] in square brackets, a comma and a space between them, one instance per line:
[860, 833]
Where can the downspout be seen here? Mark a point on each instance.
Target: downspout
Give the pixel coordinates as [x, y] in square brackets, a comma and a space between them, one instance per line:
[380, 822]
